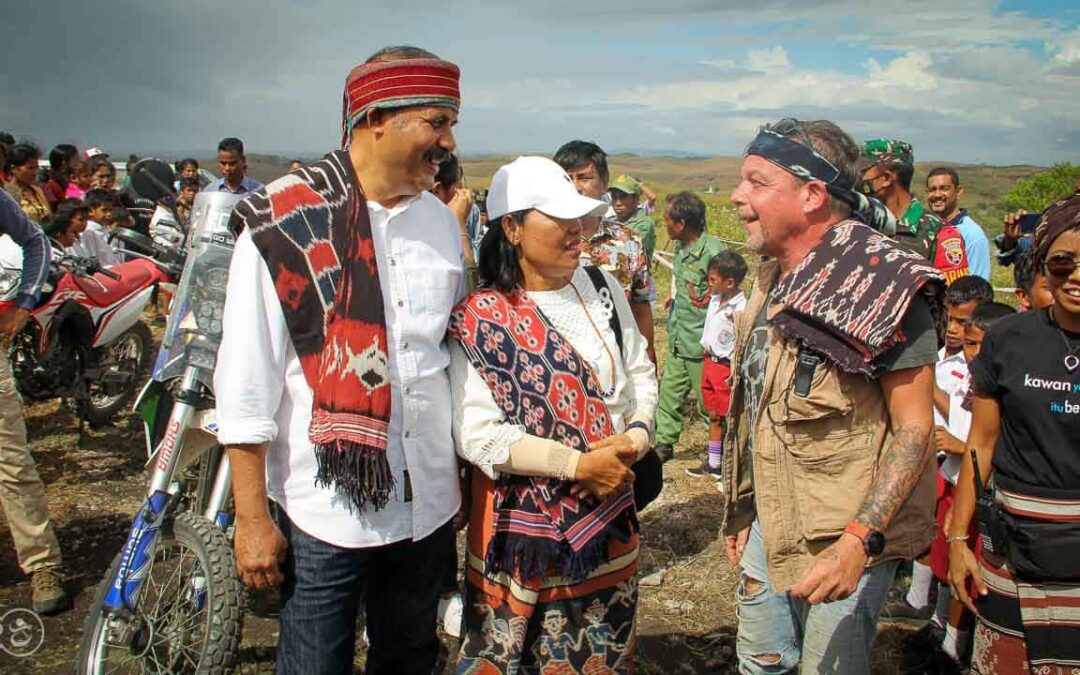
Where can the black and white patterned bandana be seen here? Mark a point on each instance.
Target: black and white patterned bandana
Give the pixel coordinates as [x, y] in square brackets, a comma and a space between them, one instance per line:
[804, 162]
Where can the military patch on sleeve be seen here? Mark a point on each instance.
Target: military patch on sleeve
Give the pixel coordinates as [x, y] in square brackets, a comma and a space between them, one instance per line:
[953, 248]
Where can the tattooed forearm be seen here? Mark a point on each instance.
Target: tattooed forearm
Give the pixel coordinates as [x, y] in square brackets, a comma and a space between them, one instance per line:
[901, 465]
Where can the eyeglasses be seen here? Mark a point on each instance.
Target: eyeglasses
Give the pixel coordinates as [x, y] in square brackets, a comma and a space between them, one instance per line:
[1061, 265]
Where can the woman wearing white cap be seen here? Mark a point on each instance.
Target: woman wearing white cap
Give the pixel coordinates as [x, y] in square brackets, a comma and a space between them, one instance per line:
[554, 399]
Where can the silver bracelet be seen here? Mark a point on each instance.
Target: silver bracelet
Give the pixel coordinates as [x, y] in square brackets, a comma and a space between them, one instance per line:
[956, 537]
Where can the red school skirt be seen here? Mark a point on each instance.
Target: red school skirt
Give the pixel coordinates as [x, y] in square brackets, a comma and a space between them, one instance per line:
[939, 550]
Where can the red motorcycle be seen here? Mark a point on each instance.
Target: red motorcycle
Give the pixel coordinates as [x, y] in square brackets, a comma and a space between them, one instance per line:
[84, 341]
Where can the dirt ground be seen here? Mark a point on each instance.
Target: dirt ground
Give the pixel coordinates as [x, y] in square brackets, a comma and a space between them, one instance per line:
[686, 615]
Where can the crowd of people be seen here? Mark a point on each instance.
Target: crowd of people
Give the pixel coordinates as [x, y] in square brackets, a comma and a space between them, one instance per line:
[404, 357]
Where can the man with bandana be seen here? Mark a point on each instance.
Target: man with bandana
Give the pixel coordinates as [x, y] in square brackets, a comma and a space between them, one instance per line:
[828, 481]
[888, 167]
[333, 394]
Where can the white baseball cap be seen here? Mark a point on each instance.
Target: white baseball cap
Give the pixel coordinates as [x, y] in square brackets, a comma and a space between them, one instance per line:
[541, 184]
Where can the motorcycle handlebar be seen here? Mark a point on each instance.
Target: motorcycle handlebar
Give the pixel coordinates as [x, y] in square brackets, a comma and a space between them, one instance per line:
[85, 267]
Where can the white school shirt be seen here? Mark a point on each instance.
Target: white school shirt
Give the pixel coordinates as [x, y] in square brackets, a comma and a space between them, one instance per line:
[950, 374]
[483, 434]
[718, 336]
[262, 395]
[960, 426]
[95, 241]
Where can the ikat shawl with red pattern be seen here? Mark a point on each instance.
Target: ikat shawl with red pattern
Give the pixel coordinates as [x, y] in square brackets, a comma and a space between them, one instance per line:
[541, 383]
[312, 229]
[848, 296]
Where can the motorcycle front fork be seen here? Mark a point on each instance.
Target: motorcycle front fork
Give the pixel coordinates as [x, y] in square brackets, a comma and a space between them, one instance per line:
[161, 500]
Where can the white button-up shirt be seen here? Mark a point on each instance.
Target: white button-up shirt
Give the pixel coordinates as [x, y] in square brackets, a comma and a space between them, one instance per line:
[718, 336]
[262, 395]
[950, 375]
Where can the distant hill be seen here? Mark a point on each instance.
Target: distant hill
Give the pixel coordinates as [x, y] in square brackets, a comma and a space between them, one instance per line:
[985, 186]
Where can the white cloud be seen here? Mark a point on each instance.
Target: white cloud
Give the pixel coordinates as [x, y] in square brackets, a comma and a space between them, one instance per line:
[770, 61]
[909, 71]
[664, 131]
[910, 96]
[1067, 49]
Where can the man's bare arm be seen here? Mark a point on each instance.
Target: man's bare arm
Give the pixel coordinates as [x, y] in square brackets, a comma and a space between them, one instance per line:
[909, 397]
[260, 546]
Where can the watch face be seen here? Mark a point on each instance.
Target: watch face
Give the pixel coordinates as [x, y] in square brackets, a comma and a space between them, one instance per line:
[874, 543]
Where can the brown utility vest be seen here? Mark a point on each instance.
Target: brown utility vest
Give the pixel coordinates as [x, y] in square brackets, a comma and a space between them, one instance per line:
[814, 457]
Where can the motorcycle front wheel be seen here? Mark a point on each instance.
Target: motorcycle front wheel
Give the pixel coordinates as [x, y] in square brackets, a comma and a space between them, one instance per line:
[124, 360]
[189, 614]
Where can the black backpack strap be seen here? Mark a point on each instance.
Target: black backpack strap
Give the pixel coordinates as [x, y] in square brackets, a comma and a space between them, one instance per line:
[598, 282]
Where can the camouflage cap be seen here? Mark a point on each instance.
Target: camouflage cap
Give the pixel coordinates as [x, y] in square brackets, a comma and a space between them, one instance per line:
[626, 184]
[883, 149]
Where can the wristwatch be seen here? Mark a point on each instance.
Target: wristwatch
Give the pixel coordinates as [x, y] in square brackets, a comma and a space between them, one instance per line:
[873, 542]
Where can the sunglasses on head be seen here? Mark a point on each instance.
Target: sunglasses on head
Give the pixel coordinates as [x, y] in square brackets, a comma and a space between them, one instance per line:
[1060, 265]
[788, 127]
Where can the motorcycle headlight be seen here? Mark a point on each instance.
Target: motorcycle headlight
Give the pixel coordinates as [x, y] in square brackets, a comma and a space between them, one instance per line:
[9, 283]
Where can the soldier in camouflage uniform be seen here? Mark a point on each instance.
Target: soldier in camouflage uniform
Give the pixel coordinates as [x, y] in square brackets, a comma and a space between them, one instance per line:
[888, 167]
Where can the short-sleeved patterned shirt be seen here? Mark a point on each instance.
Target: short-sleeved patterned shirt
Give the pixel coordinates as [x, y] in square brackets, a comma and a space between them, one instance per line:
[618, 250]
[643, 225]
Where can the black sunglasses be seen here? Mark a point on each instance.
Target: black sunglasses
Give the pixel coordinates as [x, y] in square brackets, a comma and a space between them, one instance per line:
[789, 126]
[1061, 265]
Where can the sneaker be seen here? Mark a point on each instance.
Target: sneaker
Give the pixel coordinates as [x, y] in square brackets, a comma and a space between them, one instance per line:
[665, 452]
[48, 591]
[704, 470]
[451, 608]
[898, 609]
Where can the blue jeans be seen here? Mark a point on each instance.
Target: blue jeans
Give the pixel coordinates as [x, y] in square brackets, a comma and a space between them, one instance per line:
[321, 595]
[777, 632]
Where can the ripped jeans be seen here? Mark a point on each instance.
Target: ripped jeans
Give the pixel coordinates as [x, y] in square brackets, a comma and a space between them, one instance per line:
[777, 632]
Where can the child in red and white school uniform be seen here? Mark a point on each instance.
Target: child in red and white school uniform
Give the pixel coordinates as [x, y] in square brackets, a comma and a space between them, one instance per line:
[726, 272]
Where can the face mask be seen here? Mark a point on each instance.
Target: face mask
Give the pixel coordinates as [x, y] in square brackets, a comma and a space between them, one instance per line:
[867, 186]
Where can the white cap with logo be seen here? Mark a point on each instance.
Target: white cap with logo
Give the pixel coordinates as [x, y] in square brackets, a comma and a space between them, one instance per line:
[541, 184]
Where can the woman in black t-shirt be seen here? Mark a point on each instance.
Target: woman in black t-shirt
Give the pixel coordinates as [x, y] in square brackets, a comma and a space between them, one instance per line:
[1026, 426]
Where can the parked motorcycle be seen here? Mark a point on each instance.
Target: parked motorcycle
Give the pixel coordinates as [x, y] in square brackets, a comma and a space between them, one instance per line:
[84, 341]
[172, 600]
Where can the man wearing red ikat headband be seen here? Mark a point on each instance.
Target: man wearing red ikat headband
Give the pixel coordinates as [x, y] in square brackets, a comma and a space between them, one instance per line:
[334, 397]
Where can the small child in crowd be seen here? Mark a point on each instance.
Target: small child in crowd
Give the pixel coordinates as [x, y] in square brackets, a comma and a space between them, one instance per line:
[65, 227]
[99, 204]
[189, 187]
[1031, 288]
[950, 613]
[82, 179]
[726, 272]
[962, 298]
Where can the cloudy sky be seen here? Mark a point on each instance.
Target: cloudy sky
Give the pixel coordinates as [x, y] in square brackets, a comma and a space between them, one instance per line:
[964, 80]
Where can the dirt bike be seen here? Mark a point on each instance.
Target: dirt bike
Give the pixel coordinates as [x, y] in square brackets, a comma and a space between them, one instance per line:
[172, 600]
[84, 341]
